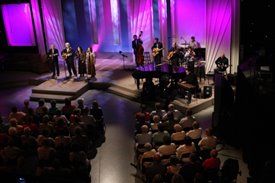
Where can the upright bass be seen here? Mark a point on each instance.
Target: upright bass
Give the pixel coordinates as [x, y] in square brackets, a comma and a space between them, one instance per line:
[140, 51]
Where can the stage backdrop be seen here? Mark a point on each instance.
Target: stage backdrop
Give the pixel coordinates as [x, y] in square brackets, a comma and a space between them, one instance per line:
[108, 25]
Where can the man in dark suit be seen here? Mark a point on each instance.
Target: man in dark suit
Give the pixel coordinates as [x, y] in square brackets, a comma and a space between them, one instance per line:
[157, 53]
[135, 43]
[53, 59]
[68, 56]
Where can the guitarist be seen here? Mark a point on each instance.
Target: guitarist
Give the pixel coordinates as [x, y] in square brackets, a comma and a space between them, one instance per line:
[53, 58]
[173, 58]
[222, 63]
[157, 53]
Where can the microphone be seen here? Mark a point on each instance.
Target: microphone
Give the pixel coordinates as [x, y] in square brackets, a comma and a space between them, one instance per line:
[120, 52]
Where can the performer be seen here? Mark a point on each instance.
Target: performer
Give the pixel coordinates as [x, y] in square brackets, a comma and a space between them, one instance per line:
[193, 43]
[140, 56]
[81, 56]
[68, 56]
[193, 84]
[190, 58]
[53, 58]
[222, 63]
[90, 59]
[157, 53]
[173, 58]
[135, 44]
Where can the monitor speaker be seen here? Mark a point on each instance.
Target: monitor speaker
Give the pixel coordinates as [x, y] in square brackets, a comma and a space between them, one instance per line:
[207, 91]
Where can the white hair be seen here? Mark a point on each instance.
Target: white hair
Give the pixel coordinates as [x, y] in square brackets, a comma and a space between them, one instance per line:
[67, 44]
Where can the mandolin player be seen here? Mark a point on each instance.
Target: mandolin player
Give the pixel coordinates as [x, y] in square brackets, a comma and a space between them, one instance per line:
[53, 59]
[157, 53]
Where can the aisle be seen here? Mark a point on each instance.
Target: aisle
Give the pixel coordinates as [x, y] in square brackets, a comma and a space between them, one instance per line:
[112, 163]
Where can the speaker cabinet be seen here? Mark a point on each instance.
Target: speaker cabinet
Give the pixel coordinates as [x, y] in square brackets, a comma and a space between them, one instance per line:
[207, 91]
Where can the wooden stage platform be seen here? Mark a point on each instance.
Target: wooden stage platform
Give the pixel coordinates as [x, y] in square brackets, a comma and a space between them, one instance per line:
[59, 90]
[113, 76]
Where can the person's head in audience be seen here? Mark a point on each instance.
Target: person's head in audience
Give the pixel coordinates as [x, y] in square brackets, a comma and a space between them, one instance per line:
[144, 129]
[161, 127]
[157, 105]
[166, 140]
[174, 160]
[95, 105]
[80, 102]
[27, 131]
[195, 125]
[188, 141]
[157, 178]
[13, 122]
[177, 128]
[177, 178]
[189, 113]
[12, 131]
[148, 146]
[45, 119]
[41, 102]
[67, 102]
[214, 153]
[170, 115]
[53, 103]
[171, 107]
[156, 119]
[26, 102]
[209, 132]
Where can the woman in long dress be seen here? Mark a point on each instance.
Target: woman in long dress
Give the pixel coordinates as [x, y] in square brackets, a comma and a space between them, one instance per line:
[80, 55]
[90, 59]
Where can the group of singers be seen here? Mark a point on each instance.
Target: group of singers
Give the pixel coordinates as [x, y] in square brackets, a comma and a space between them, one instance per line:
[86, 61]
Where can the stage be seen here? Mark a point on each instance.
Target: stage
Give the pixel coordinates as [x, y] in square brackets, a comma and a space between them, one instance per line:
[114, 75]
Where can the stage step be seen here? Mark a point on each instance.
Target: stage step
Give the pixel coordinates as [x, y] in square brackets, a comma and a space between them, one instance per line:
[123, 92]
[196, 104]
[49, 97]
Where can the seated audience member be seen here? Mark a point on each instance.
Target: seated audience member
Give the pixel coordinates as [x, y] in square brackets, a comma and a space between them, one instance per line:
[176, 113]
[192, 168]
[159, 136]
[154, 125]
[187, 122]
[207, 143]
[178, 136]
[146, 159]
[158, 111]
[167, 148]
[18, 115]
[184, 151]
[68, 108]
[142, 138]
[195, 134]
[211, 166]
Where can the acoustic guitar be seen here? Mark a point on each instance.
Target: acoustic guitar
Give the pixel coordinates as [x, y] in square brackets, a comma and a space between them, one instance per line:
[156, 51]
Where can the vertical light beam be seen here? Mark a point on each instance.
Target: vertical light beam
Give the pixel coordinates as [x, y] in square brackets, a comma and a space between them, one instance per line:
[115, 21]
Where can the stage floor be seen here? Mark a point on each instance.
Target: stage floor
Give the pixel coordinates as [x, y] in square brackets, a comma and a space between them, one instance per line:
[113, 74]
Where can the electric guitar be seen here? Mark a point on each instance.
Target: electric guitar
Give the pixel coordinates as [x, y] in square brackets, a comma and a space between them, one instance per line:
[156, 51]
